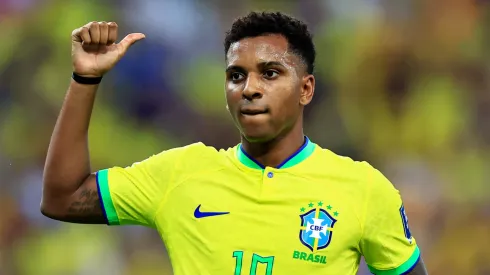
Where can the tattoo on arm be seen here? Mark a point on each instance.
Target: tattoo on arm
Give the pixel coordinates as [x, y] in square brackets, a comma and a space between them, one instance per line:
[86, 204]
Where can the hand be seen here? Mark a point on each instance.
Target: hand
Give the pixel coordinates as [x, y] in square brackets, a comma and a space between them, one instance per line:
[93, 48]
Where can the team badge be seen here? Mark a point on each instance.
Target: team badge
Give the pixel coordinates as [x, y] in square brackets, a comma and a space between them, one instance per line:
[317, 224]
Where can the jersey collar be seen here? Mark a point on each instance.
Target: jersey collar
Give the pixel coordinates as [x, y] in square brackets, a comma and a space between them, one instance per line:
[303, 153]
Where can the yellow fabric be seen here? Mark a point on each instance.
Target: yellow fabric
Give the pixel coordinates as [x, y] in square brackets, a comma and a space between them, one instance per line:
[386, 243]
[348, 207]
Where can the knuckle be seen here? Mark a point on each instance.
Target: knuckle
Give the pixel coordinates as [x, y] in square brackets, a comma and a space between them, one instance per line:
[80, 31]
[90, 24]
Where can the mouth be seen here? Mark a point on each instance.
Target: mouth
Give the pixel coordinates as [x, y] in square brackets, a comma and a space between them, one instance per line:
[248, 111]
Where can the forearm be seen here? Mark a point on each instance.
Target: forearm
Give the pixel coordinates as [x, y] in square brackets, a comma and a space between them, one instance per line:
[68, 162]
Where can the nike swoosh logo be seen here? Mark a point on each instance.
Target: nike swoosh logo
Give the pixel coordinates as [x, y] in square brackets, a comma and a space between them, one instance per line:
[198, 214]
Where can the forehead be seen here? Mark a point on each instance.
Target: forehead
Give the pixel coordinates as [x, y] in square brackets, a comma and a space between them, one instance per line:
[259, 49]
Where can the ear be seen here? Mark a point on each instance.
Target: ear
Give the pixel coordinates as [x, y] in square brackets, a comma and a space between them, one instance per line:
[307, 89]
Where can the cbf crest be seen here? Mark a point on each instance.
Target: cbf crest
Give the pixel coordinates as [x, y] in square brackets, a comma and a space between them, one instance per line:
[317, 223]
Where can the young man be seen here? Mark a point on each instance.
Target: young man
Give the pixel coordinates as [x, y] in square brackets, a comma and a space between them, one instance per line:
[275, 204]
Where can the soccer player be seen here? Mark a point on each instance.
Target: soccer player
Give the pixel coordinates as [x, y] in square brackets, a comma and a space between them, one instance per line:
[277, 203]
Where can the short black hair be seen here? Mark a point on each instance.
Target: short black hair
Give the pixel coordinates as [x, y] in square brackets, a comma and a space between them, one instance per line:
[264, 23]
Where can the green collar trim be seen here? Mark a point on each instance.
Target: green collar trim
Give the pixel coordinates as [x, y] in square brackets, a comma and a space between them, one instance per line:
[303, 153]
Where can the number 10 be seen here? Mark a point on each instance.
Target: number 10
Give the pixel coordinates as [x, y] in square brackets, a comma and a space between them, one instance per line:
[256, 259]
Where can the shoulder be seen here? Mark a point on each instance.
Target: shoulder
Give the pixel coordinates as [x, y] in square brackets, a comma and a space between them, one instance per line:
[189, 151]
[360, 172]
[334, 163]
[195, 156]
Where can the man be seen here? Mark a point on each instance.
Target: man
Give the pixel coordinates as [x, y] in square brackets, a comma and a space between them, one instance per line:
[275, 204]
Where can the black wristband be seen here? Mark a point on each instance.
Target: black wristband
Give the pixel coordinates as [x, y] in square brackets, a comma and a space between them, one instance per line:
[86, 80]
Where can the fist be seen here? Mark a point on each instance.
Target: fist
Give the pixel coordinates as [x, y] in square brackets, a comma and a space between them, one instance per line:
[94, 50]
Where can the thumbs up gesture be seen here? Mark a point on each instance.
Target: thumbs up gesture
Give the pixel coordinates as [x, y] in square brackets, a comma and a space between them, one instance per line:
[94, 50]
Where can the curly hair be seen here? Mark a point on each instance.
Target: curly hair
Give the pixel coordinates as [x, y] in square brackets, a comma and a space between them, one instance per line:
[265, 23]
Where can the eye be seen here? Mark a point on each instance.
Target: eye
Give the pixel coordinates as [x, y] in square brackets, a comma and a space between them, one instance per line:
[270, 74]
[236, 76]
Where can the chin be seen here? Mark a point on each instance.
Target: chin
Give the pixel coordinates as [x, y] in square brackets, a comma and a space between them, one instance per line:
[257, 134]
[255, 128]
[258, 139]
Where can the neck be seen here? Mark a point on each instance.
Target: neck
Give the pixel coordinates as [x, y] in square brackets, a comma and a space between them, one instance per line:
[272, 153]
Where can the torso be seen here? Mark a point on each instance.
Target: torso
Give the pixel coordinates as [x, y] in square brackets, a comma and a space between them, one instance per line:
[277, 221]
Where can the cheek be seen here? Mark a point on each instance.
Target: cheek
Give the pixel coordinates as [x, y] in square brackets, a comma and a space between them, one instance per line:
[285, 102]
[233, 94]
[288, 97]
[288, 103]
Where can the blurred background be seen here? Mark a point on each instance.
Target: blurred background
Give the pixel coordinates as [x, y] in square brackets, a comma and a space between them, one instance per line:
[404, 85]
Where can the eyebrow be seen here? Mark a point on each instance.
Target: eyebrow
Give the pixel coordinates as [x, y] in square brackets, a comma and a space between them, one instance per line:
[262, 64]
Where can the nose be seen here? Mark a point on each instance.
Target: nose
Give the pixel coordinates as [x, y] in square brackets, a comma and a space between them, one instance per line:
[252, 89]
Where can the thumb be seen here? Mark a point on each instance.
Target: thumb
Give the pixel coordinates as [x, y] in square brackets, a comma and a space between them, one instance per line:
[129, 40]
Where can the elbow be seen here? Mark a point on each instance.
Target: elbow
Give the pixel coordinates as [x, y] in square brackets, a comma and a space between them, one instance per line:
[50, 209]
[47, 211]
[52, 201]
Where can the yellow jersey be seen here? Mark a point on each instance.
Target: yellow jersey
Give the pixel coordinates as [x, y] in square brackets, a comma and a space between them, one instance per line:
[220, 212]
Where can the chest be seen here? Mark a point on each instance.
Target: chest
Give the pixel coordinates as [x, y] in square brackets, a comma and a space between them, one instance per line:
[299, 219]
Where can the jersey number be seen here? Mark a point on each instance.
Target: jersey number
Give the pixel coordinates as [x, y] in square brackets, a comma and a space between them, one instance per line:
[256, 260]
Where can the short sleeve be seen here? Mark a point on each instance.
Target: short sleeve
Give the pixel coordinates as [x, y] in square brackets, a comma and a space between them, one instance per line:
[132, 195]
[387, 243]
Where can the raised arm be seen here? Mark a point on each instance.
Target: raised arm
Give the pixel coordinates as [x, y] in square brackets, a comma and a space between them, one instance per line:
[69, 188]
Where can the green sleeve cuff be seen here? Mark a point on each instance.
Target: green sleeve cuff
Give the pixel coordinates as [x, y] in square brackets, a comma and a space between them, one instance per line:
[402, 269]
[105, 197]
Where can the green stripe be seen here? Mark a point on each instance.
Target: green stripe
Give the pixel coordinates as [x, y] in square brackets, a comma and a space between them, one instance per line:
[304, 154]
[402, 269]
[105, 195]
[297, 158]
[246, 160]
